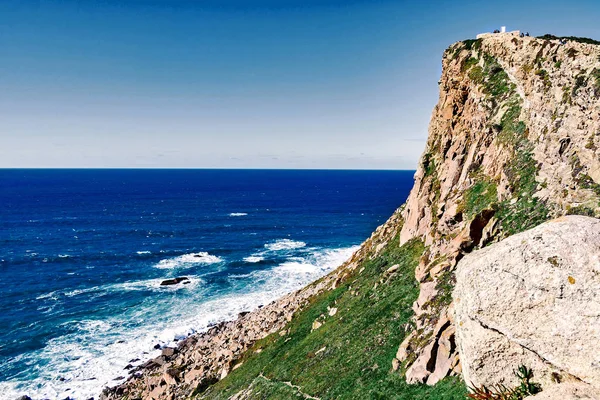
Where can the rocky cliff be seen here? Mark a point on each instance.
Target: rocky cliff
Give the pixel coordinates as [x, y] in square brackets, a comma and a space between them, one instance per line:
[513, 142]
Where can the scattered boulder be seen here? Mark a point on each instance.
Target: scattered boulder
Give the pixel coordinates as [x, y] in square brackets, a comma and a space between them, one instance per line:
[168, 351]
[532, 299]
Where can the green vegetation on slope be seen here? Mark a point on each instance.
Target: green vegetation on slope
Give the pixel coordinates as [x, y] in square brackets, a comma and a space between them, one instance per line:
[523, 210]
[350, 355]
[574, 38]
[480, 196]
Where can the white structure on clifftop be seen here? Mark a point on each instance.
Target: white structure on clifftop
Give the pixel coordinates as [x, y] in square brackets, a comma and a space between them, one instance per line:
[501, 32]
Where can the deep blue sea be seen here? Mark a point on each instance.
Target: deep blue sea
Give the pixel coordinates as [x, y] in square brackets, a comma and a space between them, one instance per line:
[83, 253]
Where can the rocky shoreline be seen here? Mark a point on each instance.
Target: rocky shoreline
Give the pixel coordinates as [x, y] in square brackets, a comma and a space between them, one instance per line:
[204, 358]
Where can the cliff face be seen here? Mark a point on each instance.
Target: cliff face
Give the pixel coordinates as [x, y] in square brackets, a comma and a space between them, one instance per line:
[513, 141]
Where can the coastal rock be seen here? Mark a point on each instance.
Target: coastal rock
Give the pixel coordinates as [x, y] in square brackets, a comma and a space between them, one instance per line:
[175, 281]
[532, 299]
[168, 351]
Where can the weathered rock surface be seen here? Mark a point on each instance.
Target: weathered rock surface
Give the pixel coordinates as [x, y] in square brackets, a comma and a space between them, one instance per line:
[513, 141]
[567, 391]
[533, 299]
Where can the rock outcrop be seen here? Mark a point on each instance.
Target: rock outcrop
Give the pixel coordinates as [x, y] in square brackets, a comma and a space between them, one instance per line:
[513, 142]
[532, 299]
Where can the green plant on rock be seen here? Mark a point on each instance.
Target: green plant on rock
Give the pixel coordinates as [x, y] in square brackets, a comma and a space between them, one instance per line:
[581, 210]
[428, 163]
[543, 74]
[595, 75]
[468, 64]
[476, 74]
[525, 388]
[580, 82]
[573, 38]
[479, 196]
[497, 83]
[524, 210]
[472, 44]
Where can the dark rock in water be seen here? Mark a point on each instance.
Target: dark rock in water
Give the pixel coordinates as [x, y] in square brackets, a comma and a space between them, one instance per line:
[240, 315]
[175, 281]
[156, 346]
[134, 360]
[118, 378]
[128, 366]
[24, 398]
[61, 379]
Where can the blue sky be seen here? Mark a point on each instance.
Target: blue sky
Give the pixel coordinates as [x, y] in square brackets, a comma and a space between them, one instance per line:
[238, 84]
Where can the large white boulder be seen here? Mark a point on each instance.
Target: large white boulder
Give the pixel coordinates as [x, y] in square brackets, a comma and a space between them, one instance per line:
[532, 299]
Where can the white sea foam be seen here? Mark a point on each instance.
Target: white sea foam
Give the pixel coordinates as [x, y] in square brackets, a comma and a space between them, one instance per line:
[146, 284]
[155, 284]
[297, 267]
[98, 350]
[188, 260]
[254, 259]
[47, 296]
[284, 244]
[64, 256]
[143, 252]
[238, 214]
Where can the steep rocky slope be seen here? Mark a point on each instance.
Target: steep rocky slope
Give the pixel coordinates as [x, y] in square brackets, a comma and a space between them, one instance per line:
[512, 142]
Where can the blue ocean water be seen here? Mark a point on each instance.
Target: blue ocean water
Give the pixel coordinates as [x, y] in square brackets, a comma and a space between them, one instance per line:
[83, 253]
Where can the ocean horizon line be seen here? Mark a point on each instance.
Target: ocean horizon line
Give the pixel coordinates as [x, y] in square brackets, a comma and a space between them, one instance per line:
[193, 169]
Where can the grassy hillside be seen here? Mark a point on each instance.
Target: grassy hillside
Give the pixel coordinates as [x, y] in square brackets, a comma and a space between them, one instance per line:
[350, 355]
